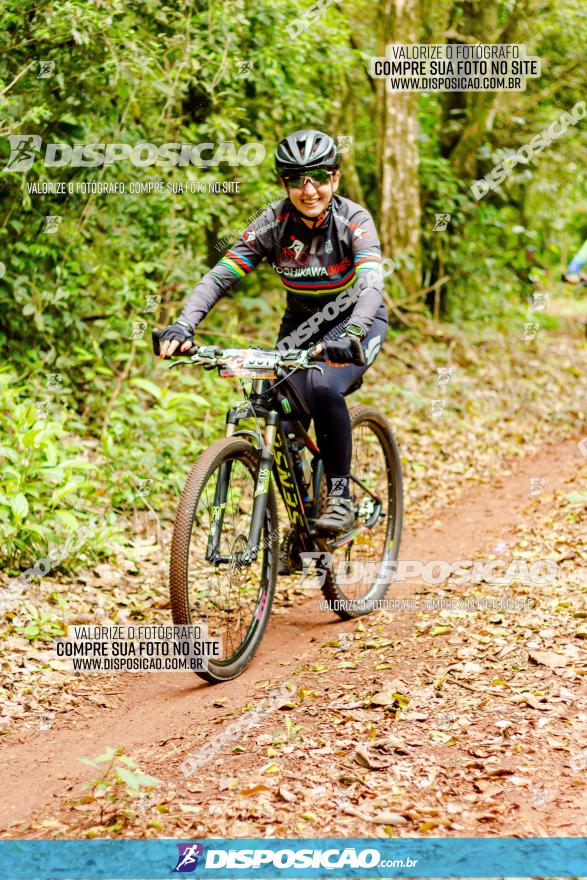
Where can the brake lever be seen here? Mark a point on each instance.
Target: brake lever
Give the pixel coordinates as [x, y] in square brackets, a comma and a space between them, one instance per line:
[178, 363]
[190, 354]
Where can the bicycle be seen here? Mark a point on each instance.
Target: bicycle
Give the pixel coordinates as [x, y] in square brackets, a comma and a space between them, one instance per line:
[225, 544]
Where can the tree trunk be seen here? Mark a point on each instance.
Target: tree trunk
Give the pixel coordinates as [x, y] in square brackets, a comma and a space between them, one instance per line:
[351, 183]
[481, 22]
[397, 152]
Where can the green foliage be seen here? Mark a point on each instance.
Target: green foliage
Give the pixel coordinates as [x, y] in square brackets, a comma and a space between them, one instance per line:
[117, 786]
[70, 302]
[42, 626]
[45, 479]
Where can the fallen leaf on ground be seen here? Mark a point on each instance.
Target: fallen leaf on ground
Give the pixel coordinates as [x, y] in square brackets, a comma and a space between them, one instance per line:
[548, 658]
[366, 757]
[255, 789]
[389, 819]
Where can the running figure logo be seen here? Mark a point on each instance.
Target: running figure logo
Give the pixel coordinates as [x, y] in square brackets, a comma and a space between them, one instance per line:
[441, 222]
[188, 858]
[24, 149]
[339, 484]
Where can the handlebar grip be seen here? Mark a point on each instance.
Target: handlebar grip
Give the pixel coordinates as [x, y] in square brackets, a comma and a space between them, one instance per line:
[359, 353]
[156, 334]
[156, 343]
[314, 354]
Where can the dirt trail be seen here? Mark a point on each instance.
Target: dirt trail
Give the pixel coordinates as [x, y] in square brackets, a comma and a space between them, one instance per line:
[150, 714]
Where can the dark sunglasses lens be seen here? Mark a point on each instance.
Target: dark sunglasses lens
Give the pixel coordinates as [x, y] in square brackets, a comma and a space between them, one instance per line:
[319, 177]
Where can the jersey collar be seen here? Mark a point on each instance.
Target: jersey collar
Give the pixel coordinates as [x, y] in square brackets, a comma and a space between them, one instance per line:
[321, 222]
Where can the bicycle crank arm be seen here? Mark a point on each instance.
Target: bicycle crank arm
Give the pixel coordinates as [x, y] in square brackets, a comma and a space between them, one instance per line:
[347, 538]
[350, 536]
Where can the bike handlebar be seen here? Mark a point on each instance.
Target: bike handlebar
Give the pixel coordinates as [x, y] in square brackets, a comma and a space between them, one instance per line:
[580, 282]
[211, 356]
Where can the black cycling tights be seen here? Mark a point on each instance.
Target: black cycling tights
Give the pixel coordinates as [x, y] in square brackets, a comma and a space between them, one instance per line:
[324, 395]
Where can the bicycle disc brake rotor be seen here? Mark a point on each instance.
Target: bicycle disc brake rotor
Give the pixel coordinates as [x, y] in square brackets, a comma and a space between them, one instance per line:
[237, 553]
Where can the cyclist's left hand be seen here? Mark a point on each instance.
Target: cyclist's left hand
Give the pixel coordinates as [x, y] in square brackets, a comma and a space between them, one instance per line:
[343, 351]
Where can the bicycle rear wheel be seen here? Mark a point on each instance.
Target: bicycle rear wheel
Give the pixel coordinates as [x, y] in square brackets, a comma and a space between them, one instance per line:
[358, 576]
[232, 597]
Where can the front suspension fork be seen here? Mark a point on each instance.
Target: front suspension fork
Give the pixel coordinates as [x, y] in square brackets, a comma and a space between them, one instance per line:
[261, 490]
[262, 484]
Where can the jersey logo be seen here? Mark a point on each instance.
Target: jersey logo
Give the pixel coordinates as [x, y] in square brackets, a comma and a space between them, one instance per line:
[295, 252]
[328, 247]
[359, 233]
[297, 246]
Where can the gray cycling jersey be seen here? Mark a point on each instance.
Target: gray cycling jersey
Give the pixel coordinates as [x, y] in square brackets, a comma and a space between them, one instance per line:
[339, 259]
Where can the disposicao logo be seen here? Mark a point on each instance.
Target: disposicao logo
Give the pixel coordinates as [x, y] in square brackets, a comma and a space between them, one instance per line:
[24, 149]
[188, 858]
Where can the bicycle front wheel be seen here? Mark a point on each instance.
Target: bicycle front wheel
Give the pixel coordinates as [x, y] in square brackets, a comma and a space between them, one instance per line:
[211, 580]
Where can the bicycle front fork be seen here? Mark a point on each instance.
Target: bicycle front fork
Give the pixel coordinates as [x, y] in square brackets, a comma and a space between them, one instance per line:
[250, 553]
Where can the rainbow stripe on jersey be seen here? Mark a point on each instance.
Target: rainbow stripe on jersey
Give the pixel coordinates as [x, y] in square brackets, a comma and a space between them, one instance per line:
[325, 286]
[328, 285]
[238, 265]
[367, 261]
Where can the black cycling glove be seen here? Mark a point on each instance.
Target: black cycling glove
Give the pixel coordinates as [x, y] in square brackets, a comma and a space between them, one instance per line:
[346, 350]
[179, 330]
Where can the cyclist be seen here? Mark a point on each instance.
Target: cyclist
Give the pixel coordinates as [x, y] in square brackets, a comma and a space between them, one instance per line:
[573, 274]
[325, 250]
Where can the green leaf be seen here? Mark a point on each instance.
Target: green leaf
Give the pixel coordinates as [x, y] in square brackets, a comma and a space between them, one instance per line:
[577, 497]
[67, 518]
[134, 779]
[440, 630]
[20, 506]
[12, 454]
[149, 387]
[61, 491]
[100, 759]
[36, 529]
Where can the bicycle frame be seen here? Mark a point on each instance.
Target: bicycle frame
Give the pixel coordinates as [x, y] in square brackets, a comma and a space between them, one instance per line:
[274, 457]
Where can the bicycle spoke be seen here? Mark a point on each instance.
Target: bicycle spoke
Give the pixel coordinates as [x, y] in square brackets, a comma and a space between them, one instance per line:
[225, 595]
[356, 564]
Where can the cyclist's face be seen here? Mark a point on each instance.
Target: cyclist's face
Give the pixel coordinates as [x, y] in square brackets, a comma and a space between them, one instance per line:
[311, 197]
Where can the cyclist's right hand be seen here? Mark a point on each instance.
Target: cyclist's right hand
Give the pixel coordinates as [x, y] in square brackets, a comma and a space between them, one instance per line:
[177, 334]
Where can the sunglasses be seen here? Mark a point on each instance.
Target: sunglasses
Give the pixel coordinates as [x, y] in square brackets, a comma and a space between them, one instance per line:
[318, 177]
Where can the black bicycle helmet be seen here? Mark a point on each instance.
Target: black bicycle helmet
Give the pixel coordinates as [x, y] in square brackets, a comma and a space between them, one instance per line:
[305, 150]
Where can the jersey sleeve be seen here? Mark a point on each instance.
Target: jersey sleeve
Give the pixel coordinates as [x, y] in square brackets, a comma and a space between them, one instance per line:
[578, 260]
[236, 263]
[367, 257]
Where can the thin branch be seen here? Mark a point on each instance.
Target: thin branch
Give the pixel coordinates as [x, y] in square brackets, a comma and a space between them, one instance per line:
[357, 48]
[220, 70]
[432, 287]
[552, 88]
[119, 383]
[20, 75]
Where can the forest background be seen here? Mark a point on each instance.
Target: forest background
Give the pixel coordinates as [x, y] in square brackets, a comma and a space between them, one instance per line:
[90, 423]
